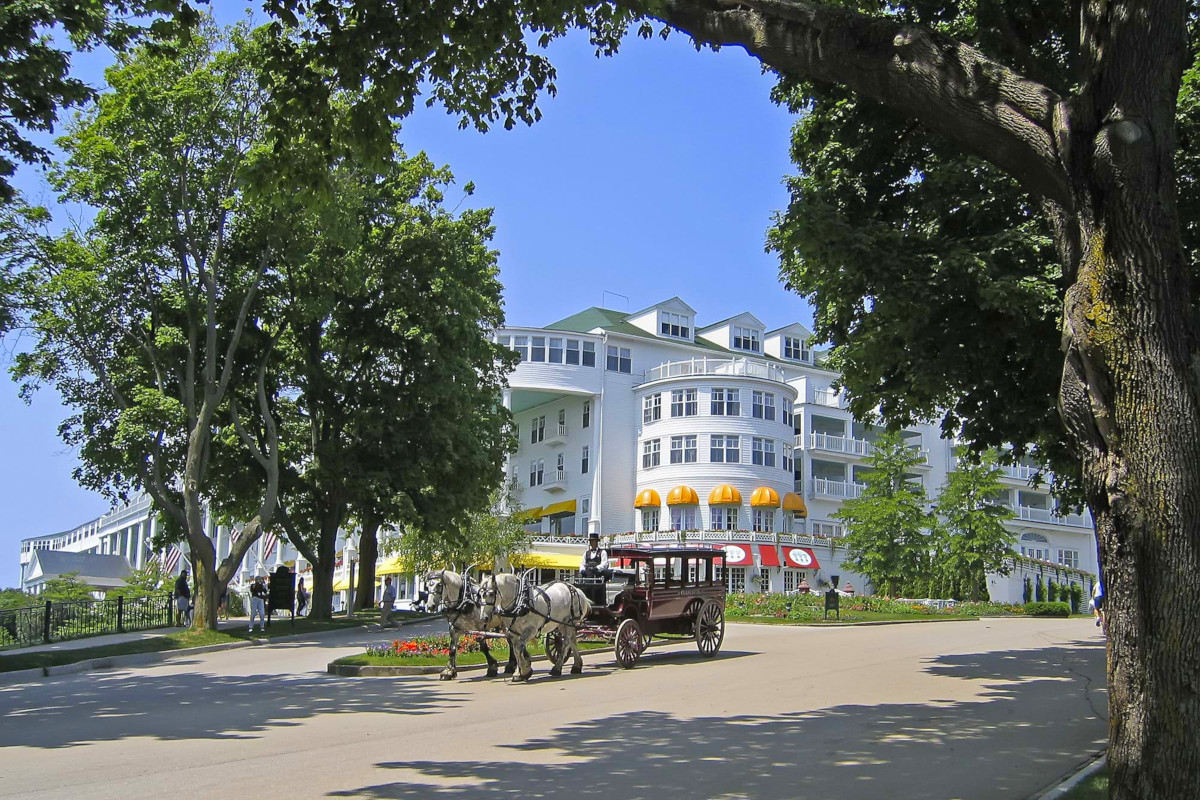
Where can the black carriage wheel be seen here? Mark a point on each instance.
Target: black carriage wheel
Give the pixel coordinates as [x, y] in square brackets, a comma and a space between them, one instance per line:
[710, 628]
[555, 642]
[628, 644]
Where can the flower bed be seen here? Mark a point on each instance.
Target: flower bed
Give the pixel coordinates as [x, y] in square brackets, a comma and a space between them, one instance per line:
[435, 651]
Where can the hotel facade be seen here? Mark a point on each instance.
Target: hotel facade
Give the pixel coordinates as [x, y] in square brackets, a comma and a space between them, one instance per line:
[646, 427]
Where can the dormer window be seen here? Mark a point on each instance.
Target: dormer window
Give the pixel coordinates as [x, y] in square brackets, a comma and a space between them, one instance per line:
[747, 339]
[796, 349]
[676, 325]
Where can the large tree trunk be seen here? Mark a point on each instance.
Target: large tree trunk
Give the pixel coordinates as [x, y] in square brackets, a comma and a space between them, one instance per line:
[325, 564]
[368, 549]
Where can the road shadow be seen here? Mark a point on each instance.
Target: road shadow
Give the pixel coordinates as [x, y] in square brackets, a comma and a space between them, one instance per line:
[108, 707]
[1039, 715]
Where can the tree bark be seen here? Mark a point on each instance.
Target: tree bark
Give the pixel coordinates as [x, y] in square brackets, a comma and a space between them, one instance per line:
[1102, 165]
[368, 550]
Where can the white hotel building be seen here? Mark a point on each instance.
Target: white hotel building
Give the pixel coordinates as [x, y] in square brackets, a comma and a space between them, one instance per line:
[644, 427]
[649, 427]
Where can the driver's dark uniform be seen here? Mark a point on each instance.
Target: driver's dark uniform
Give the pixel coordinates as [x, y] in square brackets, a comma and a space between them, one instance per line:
[595, 564]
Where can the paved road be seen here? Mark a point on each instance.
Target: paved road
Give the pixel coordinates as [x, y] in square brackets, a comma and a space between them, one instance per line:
[994, 709]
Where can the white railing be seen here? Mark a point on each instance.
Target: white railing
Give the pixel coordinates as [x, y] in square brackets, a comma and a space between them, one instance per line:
[1048, 516]
[827, 397]
[1021, 472]
[733, 367]
[839, 444]
[556, 476]
[832, 488]
[709, 537]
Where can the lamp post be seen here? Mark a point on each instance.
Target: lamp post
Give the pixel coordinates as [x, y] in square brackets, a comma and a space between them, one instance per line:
[349, 552]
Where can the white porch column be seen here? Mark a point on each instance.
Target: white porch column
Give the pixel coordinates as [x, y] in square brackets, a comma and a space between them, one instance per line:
[596, 455]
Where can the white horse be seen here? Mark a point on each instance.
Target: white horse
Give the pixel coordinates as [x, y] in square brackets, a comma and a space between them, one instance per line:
[458, 600]
[555, 606]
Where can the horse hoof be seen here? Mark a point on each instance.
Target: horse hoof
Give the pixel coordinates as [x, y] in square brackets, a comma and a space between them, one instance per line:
[555, 672]
[519, 678]
[447, 676]
[491, 673]
[576, 670]
[509, 670]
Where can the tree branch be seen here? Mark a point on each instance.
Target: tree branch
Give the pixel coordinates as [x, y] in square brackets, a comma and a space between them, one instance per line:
[952, 88]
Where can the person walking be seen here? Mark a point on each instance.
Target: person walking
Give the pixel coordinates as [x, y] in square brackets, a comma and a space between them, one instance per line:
[301, 598]
[183, 597]
[387, 603]
[258, 603]
[1097, 602]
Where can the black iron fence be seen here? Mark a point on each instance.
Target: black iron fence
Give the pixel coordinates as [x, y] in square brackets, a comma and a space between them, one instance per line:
[54, 622]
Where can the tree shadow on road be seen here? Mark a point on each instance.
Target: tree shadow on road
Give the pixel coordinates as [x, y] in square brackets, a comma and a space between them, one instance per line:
[198, 705]
[1037, 717]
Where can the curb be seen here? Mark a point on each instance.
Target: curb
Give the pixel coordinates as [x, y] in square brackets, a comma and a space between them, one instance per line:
[1096, 763]
[144, 659]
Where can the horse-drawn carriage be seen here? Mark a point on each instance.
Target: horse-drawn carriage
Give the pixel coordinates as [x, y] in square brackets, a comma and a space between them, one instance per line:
[666, 591]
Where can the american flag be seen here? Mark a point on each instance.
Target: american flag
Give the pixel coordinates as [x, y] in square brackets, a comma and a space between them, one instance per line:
[234, 535]
[269, 542]
[172, 559]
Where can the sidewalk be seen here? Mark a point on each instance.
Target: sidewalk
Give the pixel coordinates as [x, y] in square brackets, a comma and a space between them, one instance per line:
[113, 638]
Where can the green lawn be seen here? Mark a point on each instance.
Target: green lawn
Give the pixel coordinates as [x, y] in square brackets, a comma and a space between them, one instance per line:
[180, 640]
[857, 616]
[1094, 788]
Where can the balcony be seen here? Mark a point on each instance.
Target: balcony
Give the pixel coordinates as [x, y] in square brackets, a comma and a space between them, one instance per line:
[828, 398]
[556, 481]
[843, 490]
[556, 435]
[1048, 516]
[1020, 472]
[833, 443]
[714, 537]
[722, 367]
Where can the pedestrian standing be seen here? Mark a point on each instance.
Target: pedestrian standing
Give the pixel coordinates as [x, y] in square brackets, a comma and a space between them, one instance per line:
[183, 597]
[387, 602]
[258, 603]
[301, 598]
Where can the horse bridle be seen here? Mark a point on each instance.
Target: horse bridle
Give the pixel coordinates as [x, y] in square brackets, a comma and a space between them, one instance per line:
[468, 594]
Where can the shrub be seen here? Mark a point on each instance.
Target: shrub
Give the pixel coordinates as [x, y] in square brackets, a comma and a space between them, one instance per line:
[1027, 594]
[236, 605]
[1048, 610]
[1076, 598]
[1039, 593]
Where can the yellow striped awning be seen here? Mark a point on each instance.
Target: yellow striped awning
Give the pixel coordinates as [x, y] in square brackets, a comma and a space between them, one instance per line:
[683, 496]
[393, 565]
[546, 560]
[725, 495]
[764, 497]
[531, 514]
[794, 502]
[648, 498]
[554, 509]
[341, 584]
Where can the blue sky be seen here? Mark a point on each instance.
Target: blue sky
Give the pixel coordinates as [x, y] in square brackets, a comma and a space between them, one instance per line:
[652, 174]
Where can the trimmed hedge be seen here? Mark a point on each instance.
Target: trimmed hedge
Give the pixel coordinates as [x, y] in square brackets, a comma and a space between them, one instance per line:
[1047, 610]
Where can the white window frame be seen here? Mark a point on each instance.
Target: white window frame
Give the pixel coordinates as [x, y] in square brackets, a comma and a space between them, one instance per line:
[763, 520]
[537, 429]
[683, 403]
[762, 452]
[651, 408]
[587, 413]
[584, 462]
[791, 579]
[537, 347]
[736, 580]
[789, 462]
[537, 472]
[720, 442]
[677, 326]
[1068, 558]
[723, 518]
[796, 349]
[589, 354]
[554, 344]
[622, 357]
[521, 345]
[725, 402]
[649, 519]
[651, 453]
[683, 518]
[762, 405]
[683, 449]
[748, 339]
[786, 415]
[572, 351]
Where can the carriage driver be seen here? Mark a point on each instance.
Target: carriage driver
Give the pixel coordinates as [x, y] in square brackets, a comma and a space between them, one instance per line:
[594, 563]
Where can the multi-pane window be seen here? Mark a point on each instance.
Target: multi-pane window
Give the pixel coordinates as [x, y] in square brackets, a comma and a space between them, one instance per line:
[585, 507]
[831, 529]
[537, 472]
[556, 350]
[562, 422]
[683, 449]
[788, 465]
[677, 325]
[560, 469]
[1038, 553]
[587, 413]
[589, 354]
[651, 453]
[573, 351]
[724, 449]
[737, 580]
[795, 349]
[723, 518]
[746, 339]
[521, 345]
[537, 349]
[619, 360]
[683, 518]
[1069, 558]
[762, 452]
[725, 403]
[791, 579]
[764, 520]
[763, 405]
[651, 409]
[785, 410]
[537, 430]
[583, 464]
[683, 403]
[649, 519]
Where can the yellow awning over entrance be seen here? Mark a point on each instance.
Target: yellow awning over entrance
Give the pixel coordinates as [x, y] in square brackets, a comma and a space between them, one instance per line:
[394, 565]
[725, 495]
[565, 507]
[547, 560]
[531, 514]
[341, 584]
[794, 502]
